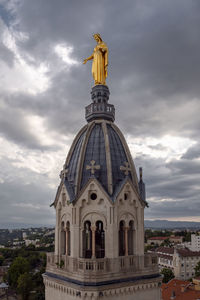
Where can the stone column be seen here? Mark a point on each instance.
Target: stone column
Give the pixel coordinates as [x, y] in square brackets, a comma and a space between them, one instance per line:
[59, 243]
[67, 238]
[93, 229]
[126, 240]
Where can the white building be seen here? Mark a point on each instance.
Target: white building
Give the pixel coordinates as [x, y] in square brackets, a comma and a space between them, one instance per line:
[181, 261]
[31, 242]
[195, 242]
[24, 235]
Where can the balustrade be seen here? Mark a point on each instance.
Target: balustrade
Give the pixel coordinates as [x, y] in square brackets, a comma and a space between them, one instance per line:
[100, 109]
[129, 263]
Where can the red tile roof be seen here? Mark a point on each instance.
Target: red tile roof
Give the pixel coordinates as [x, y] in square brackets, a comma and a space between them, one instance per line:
[181, 252]
[187, 252]
[183, 290]
[165, 250]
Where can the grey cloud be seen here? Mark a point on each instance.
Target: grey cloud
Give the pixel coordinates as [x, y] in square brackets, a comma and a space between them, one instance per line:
[176, 209]
[193, 152]
[185, 167]
[177, 181]
[22, 192]
[16, 129]
[6, 55]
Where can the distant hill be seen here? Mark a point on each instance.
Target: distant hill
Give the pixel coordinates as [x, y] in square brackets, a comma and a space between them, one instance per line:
[22, 225]
[159, 224]
[156, 224]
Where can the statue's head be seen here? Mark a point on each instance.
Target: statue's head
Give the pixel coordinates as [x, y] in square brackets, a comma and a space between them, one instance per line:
[97, 37]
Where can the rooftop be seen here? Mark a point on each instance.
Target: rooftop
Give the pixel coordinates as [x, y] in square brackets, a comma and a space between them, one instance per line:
[179, 290]
[182, 252]
[165, 250]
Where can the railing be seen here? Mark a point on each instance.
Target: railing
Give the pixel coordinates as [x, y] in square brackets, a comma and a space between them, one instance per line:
[100, 109]
[126, 264]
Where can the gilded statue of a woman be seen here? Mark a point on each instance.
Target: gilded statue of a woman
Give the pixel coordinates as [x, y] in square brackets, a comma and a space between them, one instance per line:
[100, 60]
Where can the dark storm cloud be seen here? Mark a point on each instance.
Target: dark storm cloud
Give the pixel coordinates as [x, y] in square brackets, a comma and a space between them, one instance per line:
[153, 79]
[154, 55]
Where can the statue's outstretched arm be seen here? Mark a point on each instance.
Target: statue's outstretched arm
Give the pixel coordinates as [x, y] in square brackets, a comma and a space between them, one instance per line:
[89, 58]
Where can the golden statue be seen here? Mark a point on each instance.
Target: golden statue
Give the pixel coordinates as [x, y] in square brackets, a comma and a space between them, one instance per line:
[100, 60]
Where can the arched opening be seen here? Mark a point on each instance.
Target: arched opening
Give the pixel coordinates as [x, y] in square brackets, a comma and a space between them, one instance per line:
[121, 238]
[68, 239]
[63, 239]
[99, 240]
[87, 240]
[130, 238]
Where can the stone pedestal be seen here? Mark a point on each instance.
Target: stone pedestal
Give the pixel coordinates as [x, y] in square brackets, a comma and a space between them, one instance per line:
[99, 108]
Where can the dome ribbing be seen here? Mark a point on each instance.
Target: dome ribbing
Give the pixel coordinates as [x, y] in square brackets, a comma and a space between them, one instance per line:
[101, 147]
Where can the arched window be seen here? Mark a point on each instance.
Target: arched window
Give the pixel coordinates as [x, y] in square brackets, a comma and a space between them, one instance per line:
[68, 238]
[121, 238]
[63, 238]
[130, 238]
[99, 240]
[87, 240]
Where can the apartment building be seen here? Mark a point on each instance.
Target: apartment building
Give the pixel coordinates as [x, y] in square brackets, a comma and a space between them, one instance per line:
[181, 261]
[195, 242]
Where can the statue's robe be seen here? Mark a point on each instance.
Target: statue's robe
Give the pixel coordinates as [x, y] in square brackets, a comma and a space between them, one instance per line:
[100, 63]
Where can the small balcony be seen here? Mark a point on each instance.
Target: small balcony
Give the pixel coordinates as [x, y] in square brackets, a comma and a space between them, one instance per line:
[100, 110]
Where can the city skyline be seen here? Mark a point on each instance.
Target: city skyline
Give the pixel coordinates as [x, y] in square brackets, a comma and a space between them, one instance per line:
[153, 77]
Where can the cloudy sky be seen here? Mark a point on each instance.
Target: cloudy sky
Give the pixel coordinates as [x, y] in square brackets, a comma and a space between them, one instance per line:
[154, 80]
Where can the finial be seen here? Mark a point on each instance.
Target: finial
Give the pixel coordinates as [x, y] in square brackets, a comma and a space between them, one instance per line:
[63, 173]
[140, 171]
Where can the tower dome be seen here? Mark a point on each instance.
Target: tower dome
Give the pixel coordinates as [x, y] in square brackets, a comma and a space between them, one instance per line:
[99, 151]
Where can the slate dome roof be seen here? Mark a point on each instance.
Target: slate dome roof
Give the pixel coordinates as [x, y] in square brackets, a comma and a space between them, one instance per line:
[99, 151]
[100, 146]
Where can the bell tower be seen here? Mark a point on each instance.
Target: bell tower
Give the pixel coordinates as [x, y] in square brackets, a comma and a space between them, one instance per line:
[99, 234]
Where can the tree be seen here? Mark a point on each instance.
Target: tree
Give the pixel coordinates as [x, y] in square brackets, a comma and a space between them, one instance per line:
[168, 275]
[24, 285]
[187, 237]
[197, 269]
[166, 243]
[19, 266]
[1, 260]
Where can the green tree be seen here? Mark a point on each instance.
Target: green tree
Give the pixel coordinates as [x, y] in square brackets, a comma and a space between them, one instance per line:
[187, 237]
[24, 285]
[1, 260]
[166, 243]
[168, 275]
[19, 266]
[197, 269]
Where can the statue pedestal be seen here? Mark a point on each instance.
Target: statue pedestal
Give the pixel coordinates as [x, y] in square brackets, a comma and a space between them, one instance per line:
[99, 108]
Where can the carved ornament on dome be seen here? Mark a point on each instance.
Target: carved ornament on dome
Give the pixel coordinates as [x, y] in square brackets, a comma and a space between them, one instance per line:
[93, 167]
[125, 168]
